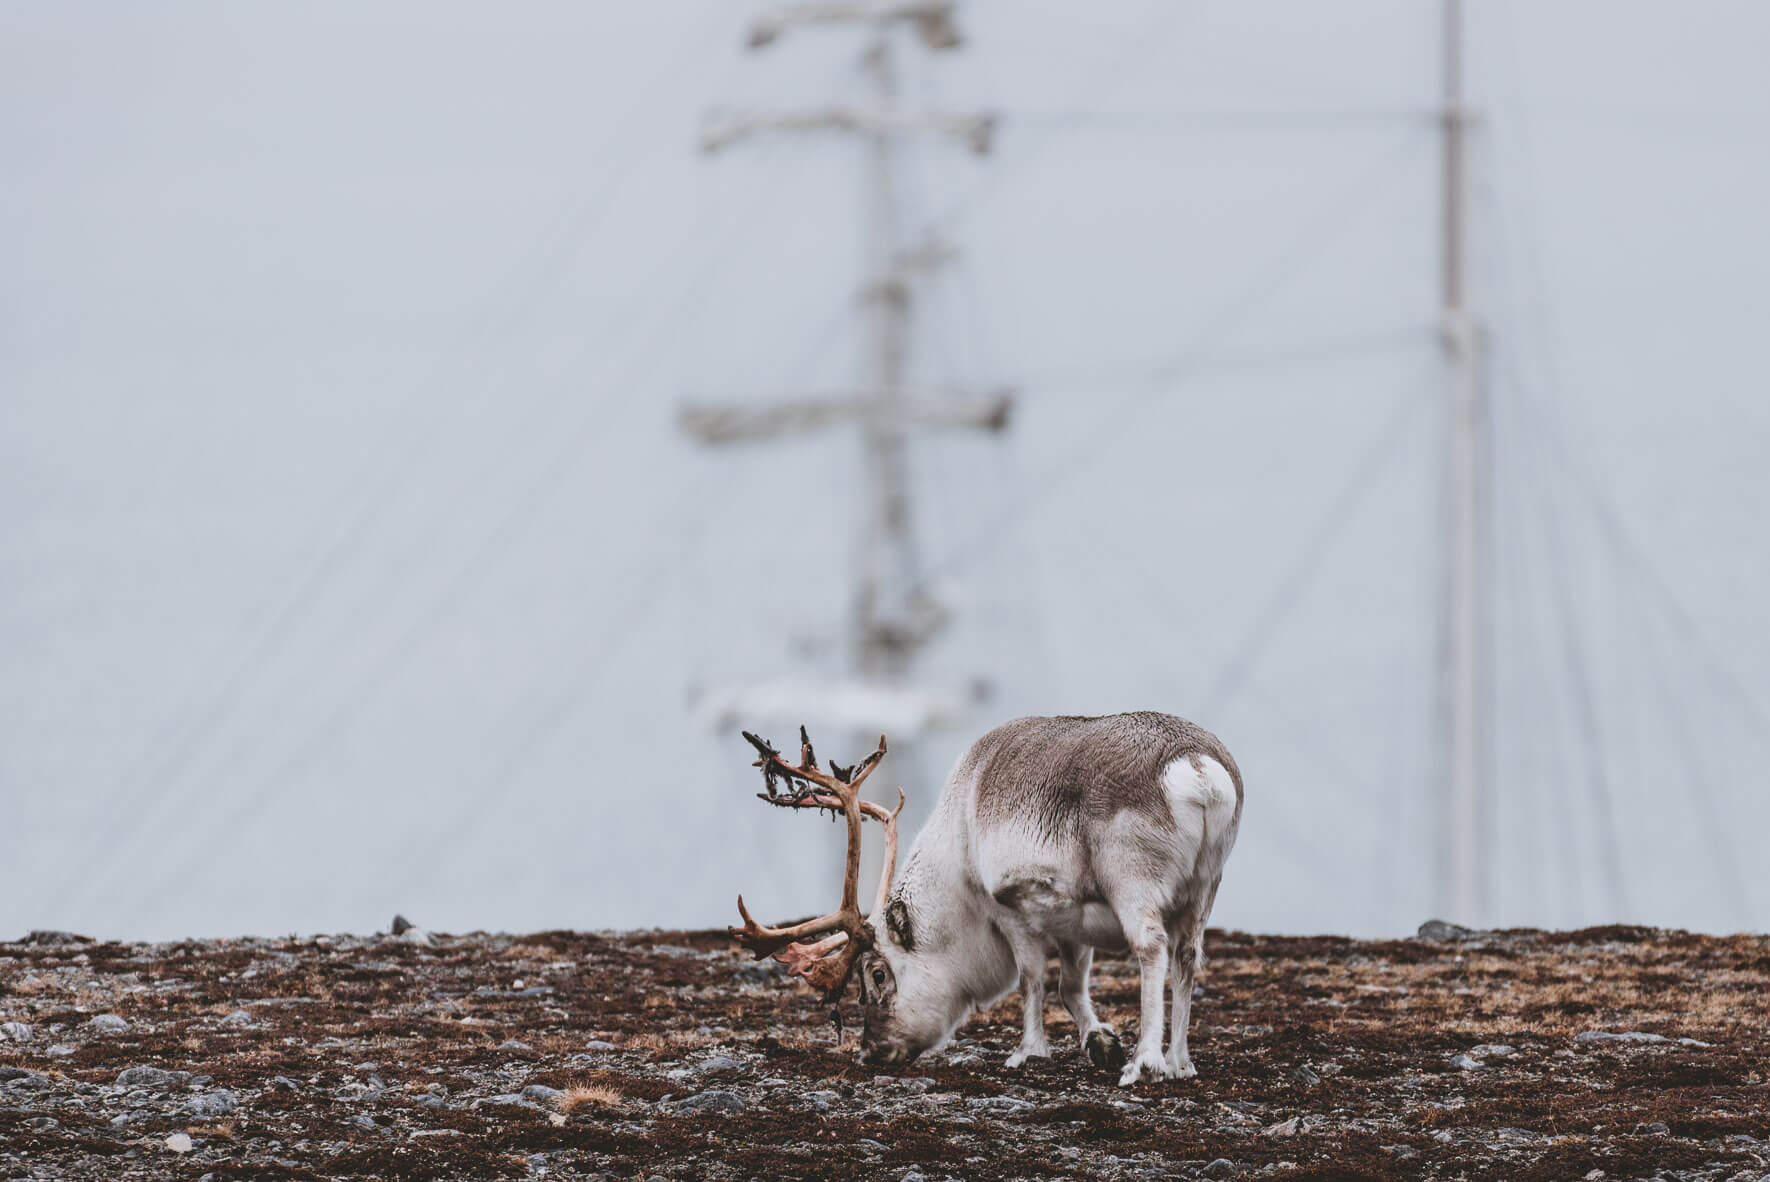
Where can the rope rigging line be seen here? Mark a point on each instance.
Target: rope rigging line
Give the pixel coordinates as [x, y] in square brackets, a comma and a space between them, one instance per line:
[1314, 235]
[1341, 509]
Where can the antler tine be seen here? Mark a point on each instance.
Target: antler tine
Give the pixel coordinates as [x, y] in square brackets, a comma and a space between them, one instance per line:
[765, 941]
[807, 757]
[888, 869]
[865, 767]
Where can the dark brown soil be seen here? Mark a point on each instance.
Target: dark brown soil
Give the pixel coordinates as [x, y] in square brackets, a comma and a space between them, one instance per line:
[1319, 1057]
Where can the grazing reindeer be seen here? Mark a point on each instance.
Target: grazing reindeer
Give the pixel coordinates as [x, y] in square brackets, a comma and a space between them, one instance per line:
[1068, 833]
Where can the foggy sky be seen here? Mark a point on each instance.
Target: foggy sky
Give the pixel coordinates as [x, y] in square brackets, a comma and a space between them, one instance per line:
[353, 562]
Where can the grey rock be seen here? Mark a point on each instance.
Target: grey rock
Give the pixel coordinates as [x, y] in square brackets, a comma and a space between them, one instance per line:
[1440, 930]
[16, 1031]
[363, 1121]
[54, 939]
[719, 1065]
[282, 1083]
[1220, 1167]
[1493, 1050]
[239, 1018]
[401, 925]
[107, 1024]
[713, 1102]
[1622, 1036]
[9, 1074]
[541, 1093]
[151, 1077]
[217, 1103]
[506, 1098]
[60, 1050]
[430, 1100]
[514, 1044]
[43, 1123]
[821, 1101]
[1004, 1105]
[1304, 1075]
[914, 1176]
[597, 1044]
[1465, 1063]
[1656, 1128]
[761, 973]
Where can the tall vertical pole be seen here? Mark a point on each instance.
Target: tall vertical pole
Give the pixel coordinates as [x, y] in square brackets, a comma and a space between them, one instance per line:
[1463, 730]
[884, 562]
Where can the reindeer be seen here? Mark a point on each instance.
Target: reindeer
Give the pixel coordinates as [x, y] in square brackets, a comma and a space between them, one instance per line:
[1064, 833]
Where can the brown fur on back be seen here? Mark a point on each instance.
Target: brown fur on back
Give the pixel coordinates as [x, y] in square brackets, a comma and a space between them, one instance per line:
[1065, 772]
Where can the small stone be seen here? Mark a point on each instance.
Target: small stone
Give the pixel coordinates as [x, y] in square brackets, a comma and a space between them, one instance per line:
[282, 1083]
[1464, 1062]
[179, 1143]
[1304, 1075]
[914, 1176]
[541, 1093]
[514, 1044]
[107, 1024]
[1622, 1036]
[1440, 931]
[151, 1077]
[43, 1123]
[1220, 1167]
[597, 1044]
[363, 1121]
[1657, 1128]
[238, 1018]
[1493, 1050]
[715, 1101]
[821, 1101]
[211, 1104]
[401, 925]
[1004, 1105]
[1284, 1128]
[16, 1031]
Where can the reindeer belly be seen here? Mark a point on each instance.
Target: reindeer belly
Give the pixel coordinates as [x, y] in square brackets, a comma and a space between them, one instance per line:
[1100, 928]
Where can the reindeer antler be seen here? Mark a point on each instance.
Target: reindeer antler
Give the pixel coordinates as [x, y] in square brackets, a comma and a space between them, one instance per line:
[828, 962]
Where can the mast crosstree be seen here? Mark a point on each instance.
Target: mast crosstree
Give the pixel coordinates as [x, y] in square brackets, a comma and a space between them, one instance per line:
[893, 614]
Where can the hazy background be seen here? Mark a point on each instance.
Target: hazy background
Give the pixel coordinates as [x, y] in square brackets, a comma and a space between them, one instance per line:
[351, 560]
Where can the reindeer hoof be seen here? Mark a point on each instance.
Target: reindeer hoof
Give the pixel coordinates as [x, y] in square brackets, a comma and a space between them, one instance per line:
[1147, 1065]
[1104, 1049]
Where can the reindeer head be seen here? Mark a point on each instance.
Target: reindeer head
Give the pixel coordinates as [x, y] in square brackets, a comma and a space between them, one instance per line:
[849, 938]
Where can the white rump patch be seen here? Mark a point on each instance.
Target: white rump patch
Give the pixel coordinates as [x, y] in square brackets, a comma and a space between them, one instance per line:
[1202, 798]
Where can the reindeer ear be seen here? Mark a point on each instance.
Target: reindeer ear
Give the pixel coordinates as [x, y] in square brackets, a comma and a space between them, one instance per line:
[897, 923]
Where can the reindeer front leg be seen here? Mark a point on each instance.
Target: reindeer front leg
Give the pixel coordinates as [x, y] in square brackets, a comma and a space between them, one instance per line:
[1029, 959]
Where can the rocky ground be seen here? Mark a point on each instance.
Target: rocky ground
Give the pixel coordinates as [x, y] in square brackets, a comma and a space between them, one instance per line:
[1607, 1053]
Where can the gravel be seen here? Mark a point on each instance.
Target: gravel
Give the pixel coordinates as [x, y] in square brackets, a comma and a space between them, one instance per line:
[646, 1055]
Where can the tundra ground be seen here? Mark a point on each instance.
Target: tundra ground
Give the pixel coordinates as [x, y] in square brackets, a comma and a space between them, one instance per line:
[1611, 1052]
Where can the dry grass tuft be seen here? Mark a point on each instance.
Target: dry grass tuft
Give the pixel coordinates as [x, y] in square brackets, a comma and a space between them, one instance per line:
[591, 1095]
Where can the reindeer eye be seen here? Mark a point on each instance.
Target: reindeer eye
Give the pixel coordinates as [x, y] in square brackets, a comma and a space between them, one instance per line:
[879, 978]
